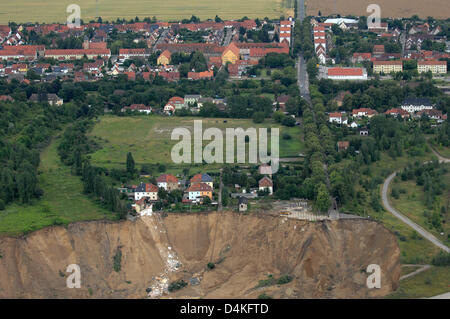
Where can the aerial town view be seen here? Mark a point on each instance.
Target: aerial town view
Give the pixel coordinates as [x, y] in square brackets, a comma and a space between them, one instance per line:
[239, 150]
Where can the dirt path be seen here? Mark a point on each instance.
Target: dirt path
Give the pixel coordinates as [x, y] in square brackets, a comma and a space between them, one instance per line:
[418, 271]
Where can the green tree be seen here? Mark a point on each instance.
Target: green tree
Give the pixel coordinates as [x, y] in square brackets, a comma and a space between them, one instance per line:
[130, 164]
[323, 201]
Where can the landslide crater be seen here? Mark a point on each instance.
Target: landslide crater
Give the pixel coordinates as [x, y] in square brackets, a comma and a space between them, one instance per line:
[324, 259]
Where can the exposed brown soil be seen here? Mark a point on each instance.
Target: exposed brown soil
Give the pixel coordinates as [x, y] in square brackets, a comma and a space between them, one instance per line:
[326, 259]
[439, 9]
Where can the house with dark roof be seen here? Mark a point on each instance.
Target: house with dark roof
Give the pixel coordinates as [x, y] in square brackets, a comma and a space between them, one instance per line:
[242, 204]
[146, 190]
[412, 105]
[202, 178]
[50, 98]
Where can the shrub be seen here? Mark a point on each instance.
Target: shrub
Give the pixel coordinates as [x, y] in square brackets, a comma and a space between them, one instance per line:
[288, 121]
[177, 285]
[286, 136]
[118, 260]
[211, 266]
[441, 259]
[284, 279]
[264, 296]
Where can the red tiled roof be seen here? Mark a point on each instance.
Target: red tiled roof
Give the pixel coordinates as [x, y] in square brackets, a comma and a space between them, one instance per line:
[176, 100]
[367, 56]
[200, 75]
[132, 51]
[200, 187]
[265, 182]
[345, 71]
[432, 62]
[336, 114]
[387, 63]
[364, 110]
[77, 52]
[167, 178]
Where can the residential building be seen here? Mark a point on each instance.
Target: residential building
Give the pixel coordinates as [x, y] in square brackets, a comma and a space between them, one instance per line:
[343, 145]
[364, 112]
[231, 54]
[387, 67]
[432, 114]
[202, 178]
[360, 57]
[397, 112]
[265, 169]
[199, 190]
[141, 108]
[436, 67]
[191, 99]
[177, 102]
[412, 105]
[378, 49]
[207, 75]
[146, 190]
[168, 182]
[339, 73]
[164, 58]
[126, 54]
[243, 204]
[266, 184]
[77, 54]
[338, 118]
[50, 98]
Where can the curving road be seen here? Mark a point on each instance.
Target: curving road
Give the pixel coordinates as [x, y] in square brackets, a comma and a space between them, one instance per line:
[405, 219]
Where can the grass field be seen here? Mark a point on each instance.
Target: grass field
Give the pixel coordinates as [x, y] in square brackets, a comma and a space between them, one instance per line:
[148, 138]
[412, 205]
[55, 11]
[62, 202]
[431, 282]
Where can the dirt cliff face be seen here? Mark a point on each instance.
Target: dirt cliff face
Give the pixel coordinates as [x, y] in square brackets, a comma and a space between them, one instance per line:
[325, 259]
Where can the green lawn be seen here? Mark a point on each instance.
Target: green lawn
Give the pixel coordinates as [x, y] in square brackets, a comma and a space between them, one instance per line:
[55, 11]
[62, 202]
[431, 282]
[148, 138]
[411, 204]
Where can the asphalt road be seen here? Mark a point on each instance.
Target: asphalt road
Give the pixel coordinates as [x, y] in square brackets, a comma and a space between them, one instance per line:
[425, 234]
[301, 9]
[303, 81]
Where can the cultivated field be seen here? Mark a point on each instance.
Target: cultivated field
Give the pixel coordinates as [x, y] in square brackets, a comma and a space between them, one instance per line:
[55, 11]
[399, 8]
[148, 138]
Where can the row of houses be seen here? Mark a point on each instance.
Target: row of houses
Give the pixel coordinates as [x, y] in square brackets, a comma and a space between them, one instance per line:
[200, 186]
[415, 107]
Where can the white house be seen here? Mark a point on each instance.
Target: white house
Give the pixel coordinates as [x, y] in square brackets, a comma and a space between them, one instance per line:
[266, 184]
[338, 118]
[412, 105]
[146, 190]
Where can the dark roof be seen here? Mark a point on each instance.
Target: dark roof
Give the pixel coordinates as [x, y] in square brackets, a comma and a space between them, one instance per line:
[243, 200]
[416, 101]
